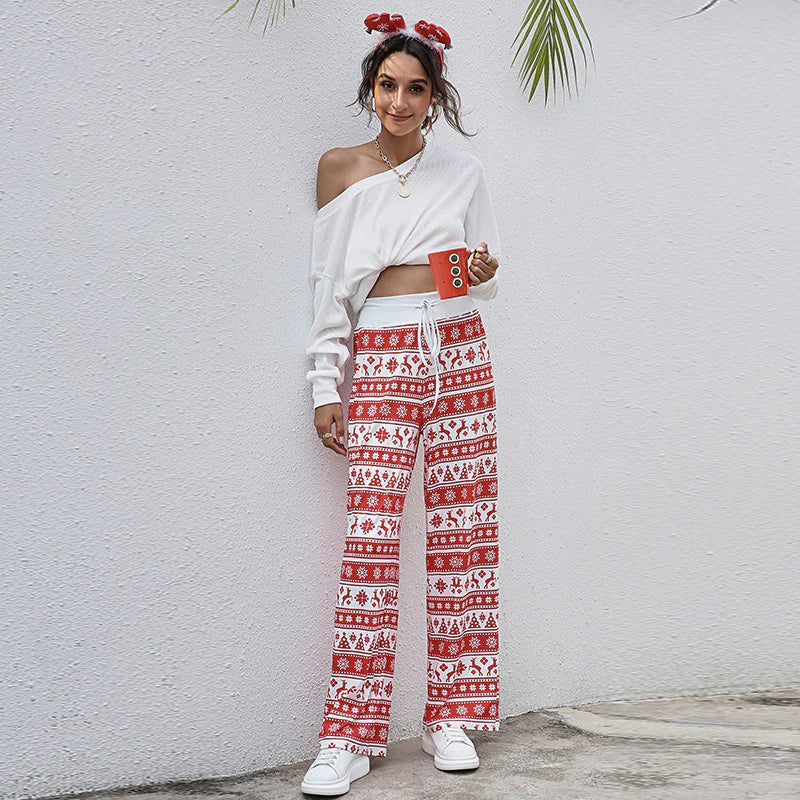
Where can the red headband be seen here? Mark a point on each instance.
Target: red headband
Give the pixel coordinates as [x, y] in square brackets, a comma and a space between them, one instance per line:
[389, 24]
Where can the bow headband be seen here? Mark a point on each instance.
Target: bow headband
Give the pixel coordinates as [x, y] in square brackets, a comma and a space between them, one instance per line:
[390, 24]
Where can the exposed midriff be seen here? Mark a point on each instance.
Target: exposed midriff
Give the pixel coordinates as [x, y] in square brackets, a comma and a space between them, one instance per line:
[403, 279]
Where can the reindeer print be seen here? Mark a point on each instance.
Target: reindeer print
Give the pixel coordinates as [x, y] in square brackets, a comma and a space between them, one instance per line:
[390, 408]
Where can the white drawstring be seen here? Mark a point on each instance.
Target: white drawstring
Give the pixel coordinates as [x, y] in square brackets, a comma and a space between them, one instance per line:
[427, 322]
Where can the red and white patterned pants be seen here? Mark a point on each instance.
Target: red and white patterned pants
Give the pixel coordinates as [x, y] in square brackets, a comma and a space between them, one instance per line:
[390, 406]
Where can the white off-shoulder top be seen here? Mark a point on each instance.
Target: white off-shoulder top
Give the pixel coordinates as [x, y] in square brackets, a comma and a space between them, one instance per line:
[369, 226]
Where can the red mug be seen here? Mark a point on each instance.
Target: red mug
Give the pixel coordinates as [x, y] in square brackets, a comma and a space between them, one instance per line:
[450, 271]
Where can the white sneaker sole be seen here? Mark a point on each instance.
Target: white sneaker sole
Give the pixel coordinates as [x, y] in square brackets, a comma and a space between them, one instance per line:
[358, 769]
[469, 762]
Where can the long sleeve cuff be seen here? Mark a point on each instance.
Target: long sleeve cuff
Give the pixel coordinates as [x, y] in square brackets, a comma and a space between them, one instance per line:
[324, 391]
[485, 290]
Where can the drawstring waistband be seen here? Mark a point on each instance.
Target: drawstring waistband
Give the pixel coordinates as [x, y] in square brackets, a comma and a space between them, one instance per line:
[422, 308]
[427, 323]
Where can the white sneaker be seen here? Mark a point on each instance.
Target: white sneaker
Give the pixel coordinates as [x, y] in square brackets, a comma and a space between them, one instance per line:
[332, 771]
[451, 748]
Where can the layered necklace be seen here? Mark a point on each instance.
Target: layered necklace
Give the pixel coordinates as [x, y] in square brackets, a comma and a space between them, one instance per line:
[402, 189]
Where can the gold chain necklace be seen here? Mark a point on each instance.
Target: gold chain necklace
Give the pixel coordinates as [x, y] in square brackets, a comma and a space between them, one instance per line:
[402, 190]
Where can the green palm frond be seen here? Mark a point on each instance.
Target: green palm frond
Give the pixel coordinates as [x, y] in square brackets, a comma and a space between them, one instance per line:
[699, 10]
[546, 27]
[276, 7]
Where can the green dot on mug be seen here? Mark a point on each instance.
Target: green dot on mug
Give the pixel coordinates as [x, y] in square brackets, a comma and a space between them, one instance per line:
[457, 282]
[455, 270]
[454, 258]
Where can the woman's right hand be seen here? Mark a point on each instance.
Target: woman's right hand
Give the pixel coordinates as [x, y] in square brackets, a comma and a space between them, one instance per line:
[324, 417]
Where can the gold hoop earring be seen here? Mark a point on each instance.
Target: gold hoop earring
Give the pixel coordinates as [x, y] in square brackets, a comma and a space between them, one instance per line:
[430, 118]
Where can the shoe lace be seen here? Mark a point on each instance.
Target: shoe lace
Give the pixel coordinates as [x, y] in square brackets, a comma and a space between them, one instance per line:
[456, 735]
[329, 754]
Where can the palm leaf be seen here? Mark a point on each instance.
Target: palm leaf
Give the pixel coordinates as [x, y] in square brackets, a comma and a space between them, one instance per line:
[548, 28]
[699, 10]
[275, 8]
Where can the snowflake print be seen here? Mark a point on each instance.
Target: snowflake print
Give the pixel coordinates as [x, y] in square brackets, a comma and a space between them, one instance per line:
[382, 434]
[391, 409]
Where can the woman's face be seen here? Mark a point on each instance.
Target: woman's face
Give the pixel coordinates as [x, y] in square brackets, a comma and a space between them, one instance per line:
[402, 88]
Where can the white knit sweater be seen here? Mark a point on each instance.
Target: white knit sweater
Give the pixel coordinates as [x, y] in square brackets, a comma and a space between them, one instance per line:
[369, 226]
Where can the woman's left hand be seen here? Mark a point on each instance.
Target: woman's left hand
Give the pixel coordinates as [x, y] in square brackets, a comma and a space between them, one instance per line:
[483, 265]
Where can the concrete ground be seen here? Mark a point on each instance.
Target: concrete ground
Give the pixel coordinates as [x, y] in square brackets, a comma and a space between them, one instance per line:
[726, 747]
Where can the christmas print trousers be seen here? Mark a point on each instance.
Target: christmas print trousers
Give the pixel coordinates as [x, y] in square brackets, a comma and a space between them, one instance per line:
[422, 367]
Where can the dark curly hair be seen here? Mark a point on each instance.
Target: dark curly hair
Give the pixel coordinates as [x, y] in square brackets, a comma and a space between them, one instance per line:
[443, 93]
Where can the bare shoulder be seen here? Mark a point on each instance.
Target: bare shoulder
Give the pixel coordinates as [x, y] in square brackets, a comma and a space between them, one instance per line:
[341, 167]
[330, 171]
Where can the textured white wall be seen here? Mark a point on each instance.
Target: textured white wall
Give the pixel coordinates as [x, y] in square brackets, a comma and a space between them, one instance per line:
[172, 527]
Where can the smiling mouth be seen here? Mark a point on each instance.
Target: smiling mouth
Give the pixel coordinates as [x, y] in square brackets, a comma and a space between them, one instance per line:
[396, 117]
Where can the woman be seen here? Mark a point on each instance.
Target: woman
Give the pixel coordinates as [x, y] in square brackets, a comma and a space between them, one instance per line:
[382, 207]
